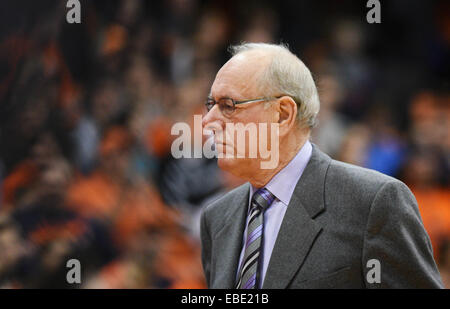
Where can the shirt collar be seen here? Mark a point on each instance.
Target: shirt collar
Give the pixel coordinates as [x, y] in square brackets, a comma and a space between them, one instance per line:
[282, 185]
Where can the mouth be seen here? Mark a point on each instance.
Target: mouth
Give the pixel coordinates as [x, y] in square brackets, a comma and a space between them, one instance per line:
[219, 141]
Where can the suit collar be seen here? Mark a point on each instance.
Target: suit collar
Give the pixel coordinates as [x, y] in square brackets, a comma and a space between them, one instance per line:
[229, 239]
[298, 230]
[310, 189]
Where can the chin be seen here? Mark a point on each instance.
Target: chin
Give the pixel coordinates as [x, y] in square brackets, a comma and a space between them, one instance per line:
[226, 164]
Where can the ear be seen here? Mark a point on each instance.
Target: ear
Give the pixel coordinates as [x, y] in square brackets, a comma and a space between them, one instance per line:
[287, 109]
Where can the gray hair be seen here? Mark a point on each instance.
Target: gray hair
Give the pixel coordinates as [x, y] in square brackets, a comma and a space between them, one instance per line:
[287, 75]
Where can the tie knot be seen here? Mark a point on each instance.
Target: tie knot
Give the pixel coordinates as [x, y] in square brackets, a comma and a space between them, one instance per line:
[263, 198]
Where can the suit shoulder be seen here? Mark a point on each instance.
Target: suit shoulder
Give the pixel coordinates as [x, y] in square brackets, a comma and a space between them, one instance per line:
[362, 184]
[358, 176]
[219, 205]
[350, 192]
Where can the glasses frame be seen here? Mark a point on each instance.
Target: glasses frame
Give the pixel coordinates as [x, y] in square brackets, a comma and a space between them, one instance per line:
[235, 102]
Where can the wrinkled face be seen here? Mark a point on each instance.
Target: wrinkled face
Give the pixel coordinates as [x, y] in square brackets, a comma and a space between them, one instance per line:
[238, 79]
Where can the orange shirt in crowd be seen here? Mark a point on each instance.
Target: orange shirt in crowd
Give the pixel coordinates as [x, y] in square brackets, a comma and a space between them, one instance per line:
[434, 207]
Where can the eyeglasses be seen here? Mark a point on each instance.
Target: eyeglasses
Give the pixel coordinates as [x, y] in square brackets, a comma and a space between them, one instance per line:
[227, 106]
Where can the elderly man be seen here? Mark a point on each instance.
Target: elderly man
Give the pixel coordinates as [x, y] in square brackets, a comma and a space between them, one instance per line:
[309, 221]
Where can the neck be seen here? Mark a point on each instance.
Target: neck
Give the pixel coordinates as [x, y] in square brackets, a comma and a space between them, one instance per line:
[293, 143]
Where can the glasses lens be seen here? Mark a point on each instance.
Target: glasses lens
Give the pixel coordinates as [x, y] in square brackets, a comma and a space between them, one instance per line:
[226, 106]
[209, 104]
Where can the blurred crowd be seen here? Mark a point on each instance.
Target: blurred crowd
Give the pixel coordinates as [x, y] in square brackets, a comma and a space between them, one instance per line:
[87, 109]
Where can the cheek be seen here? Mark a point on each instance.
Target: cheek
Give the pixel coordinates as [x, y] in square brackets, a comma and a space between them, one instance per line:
[259, 114]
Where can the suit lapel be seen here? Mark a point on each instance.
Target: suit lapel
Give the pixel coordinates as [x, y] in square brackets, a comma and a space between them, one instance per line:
[299, 230]
[229, 240]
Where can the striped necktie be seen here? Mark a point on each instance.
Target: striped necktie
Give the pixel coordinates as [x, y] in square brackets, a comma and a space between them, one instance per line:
[249, 269]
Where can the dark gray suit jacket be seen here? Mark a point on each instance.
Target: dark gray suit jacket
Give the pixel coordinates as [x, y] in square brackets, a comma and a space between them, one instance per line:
[340, 216]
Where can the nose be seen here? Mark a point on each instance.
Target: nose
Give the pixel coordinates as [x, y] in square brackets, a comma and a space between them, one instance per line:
[212, 119]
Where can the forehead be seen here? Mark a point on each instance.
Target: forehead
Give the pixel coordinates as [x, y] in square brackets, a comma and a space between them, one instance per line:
[238, 78]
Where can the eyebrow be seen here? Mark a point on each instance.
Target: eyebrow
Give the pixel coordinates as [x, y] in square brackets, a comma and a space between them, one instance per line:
[210, 96]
